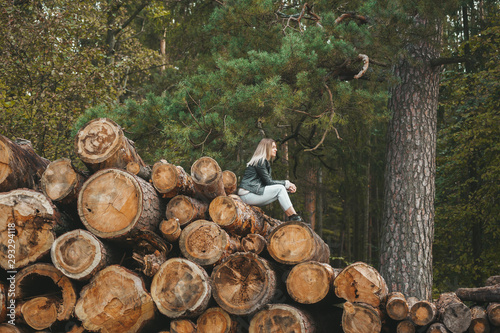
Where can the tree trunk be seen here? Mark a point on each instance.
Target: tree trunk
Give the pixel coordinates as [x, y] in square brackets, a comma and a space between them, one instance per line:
[186, 209]
[454, 314]
[206, 244]
[493, 311]
[479, 322]
[181, 288]
[361, 318]
[230, 182]
[207, 177]
[114, 204]
[171, 229]
[254, 243]
[182, 326]
[408, 223]
[437, 328]
[216, 320]
[405, 326]
[292, 243]
[171, 180]
[423, 313]
[482, 294]
[101, 144]
[27, 231]
[360, 282]
[396, 306]
[310, 282]
[36, 281]
[20, 166]
[280, 318]
[79, 254]
[310, 196]
[61, 182]
[243, 283]
[236, 217]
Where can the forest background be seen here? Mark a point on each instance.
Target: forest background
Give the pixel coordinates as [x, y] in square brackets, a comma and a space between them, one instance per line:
[187, 79]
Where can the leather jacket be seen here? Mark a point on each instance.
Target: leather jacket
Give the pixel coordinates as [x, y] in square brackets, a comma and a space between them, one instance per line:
[258, 176]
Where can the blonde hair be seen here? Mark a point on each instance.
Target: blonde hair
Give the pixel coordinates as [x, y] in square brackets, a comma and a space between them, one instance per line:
[263, 151]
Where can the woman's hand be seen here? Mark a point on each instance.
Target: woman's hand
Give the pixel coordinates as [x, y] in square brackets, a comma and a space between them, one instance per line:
[292, 188]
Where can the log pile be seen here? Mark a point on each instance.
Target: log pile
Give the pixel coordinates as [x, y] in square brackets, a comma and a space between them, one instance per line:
[126, 247]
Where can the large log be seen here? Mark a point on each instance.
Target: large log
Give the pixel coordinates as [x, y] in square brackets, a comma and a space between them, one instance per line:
[481, 294]
[396, 306]
[186, 209]
[236, 217]
[206, 244]
[479, 322]
[360, 282]
[181, 288]
[423, 313]
[361, 318]
[492, 280]
[115, 300]
[243, 283]
[20, 165]
[493, 311]
[281, 318]
[79, 254]
[61, 182]
[310, 282]
[101, 144]
[182, 326]
[454, 314]
[216, 320]
[292, 243]
[114, 204]
[171, 180]
[28, 223]
[36, 281]
[207, 177]
[230, 182]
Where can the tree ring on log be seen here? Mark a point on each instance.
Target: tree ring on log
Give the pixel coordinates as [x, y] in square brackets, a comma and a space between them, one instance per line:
[42, 312]
[98, 140]
[275, 316]
[59, 179]
[205, 171]
[203, 242]
[164, 177]
[215, 320]
[223, 211]
[309, 282]
[185, 209]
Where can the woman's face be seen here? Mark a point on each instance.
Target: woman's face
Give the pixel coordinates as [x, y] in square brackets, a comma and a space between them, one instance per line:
[273, 149]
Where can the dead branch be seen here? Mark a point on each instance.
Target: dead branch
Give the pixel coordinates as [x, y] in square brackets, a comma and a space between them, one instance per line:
[362, 19]
[366, 63]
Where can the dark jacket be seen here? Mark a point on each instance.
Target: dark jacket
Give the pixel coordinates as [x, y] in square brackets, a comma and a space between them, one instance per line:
[258, 176]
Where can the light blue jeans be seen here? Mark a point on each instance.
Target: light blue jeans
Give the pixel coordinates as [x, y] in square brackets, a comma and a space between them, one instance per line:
[271, 194]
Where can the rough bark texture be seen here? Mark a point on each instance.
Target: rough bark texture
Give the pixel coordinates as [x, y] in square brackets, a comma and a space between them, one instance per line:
[20, 166]
[479, 322]
[207, 177]
[114, 203]
[216, 320]
[396, 306]
[492, 280]
[243, 284]
[281, 317]
[310, 282]
[493, 311]
[360, 282]
[171, 180]
[61, 182]
[28, 220]
[149, 250]
[360, 318]
[101, 144]
[482, 294]
[181, 288]
[186, 209]
[423, 313]
[454, 314]
[408, 223]
[292, 243]
[3, 302]
[115, 300]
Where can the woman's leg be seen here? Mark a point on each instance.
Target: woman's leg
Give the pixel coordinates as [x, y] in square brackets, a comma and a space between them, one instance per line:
[271, 194]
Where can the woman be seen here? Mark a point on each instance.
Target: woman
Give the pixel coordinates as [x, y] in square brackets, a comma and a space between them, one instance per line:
[257, 188]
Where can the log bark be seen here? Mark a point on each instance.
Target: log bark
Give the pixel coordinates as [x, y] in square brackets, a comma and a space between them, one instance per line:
[181, 288]
[230, 182]
[482, 294]
[115, 300]
[236, 217]
[79, 254]
[292, 243]
[206, 244]
[243, 283]
[171, 180]
[207, 177]
[396, 306]
[493, 311]
[38, 280]
[405, 326]
[149, 250]
[20, 165]
[114, 203]
[479, 322]
[182, 326]
[186, 209]
[361, 318]
[61, 182]
[437, 328]
[310, 282]
[101, 144]
[454, 314]
[216, 320]
[28, 227]
[360, 282]
[143, 171]
[423, 313]
[254, 243]
[171, 229]
[281, 317]
[492, 280]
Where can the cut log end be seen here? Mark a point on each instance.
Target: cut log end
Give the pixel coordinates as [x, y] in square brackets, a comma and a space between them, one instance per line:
[276, 316]
[40, 312]
[171, 229]
[99, 139]
[186, 209]
[60, 179]
[360, 318]
[216, 320]
[164, 177]
[230, 181]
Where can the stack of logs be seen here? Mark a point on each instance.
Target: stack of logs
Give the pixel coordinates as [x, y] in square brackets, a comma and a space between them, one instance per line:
[125, 247]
